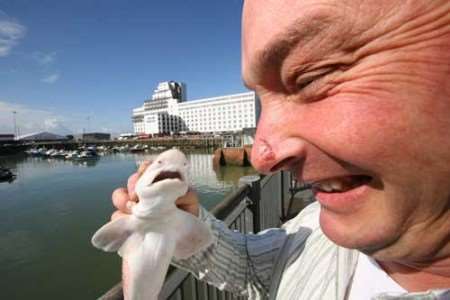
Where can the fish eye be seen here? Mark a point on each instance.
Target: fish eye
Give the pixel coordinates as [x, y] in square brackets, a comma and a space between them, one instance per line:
[159, 162]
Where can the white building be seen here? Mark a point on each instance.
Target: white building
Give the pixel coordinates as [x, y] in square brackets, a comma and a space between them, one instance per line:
[160, 113]
[167, 112]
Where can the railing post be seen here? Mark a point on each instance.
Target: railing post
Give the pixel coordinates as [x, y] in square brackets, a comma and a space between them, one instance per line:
[254, 182]
[283, 182]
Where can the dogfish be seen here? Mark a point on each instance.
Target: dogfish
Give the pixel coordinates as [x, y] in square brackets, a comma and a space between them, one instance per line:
[156, 230]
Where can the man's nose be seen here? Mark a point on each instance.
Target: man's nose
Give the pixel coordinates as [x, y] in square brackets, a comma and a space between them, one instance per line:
[276, 146]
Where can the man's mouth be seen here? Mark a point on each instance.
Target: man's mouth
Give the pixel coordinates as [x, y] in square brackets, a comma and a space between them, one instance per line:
[340, 184]
[167, 175]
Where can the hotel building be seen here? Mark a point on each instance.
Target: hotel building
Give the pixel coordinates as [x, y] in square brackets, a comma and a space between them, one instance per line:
[169, 112]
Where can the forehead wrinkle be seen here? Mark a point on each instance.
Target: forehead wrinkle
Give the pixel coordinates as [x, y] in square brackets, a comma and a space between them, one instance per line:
[302, 31]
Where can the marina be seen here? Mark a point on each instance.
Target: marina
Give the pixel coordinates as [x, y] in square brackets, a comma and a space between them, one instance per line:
[71, 133]
[54, 205]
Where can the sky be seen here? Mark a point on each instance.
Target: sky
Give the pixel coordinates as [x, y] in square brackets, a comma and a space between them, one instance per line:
[68, 66]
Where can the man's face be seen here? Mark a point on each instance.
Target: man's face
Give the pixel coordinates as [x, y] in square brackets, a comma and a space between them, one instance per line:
[355, 98]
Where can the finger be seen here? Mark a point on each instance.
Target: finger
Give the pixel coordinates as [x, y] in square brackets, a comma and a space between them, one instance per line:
[193, 209]
[131, 184]
[130, 205]
[120, 197]
[189, 202]
[188, 198]
[132, 180]
[143, 166]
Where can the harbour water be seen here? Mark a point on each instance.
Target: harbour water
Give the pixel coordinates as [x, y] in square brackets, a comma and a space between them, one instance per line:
[50, 211]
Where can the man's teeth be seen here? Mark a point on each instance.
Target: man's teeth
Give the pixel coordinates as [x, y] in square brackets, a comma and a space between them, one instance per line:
[330, 185]
[340, 184]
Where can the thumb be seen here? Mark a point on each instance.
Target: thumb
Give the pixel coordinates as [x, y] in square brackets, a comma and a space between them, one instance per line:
[132, 180]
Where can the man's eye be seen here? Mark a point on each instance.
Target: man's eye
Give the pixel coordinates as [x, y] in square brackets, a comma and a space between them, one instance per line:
[304, 82]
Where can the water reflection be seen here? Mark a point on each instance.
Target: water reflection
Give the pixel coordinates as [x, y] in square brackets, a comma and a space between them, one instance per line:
[7, 170]
[85, 163]
[12, 161]
[54, 206]
[231, 174]
[9, 180]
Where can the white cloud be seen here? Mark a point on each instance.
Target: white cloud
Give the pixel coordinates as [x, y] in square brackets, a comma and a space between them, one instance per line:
[11, 32]
[30, 120]
[51, 123]
[44, 59]
[51, 78]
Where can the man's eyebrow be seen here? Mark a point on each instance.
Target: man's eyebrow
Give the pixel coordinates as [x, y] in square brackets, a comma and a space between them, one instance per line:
[301, 31]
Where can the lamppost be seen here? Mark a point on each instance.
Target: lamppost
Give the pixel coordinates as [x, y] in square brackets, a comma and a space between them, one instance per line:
[88, 123]
[15, 124]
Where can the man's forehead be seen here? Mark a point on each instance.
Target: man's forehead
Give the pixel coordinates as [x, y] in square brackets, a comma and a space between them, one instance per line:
[270, 32]
[275, 17]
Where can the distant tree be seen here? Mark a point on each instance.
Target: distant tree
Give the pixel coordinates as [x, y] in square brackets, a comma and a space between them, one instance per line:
[69, 137]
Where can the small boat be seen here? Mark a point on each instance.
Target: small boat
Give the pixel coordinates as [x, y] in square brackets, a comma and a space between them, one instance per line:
[72, 154]
[6, 174]
[115, 149]
[35, 152]
[86, 155]
[137, 148]
[92, 148]
[50, 152]
[58, 154]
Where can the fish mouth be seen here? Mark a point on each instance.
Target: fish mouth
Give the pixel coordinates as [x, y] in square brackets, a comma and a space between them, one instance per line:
[163, 175]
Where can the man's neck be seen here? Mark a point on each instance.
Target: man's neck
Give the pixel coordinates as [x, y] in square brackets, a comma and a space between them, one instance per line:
[420, 259]
[419, 278]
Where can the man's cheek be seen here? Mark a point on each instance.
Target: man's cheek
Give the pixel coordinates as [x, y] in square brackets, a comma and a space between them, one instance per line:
[356, 128]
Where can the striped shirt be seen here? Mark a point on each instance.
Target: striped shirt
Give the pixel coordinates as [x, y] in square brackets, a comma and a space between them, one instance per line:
[296, 261]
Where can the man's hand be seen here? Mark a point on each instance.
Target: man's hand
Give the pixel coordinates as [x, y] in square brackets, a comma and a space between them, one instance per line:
[124, 198]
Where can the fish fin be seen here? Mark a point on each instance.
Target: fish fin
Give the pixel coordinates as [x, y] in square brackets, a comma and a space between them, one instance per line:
[111, 236]
[148, 265]
[193, 236]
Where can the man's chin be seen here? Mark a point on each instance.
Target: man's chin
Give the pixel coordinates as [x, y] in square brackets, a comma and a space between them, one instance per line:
[351, 234]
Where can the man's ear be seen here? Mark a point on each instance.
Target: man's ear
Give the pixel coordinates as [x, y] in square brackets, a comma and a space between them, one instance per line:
[111, 236]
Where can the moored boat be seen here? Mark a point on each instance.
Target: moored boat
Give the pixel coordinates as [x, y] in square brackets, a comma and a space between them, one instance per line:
[6, 174]
[59, 154]
[86, 155]
[36, 152]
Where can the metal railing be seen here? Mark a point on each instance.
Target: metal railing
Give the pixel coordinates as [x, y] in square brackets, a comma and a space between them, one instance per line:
[258, 204]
